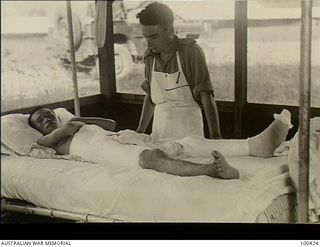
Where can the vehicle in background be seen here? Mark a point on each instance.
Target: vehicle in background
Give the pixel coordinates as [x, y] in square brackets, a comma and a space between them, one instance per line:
[129, 44]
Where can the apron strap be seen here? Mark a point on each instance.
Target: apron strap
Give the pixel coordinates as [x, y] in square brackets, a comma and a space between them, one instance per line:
[179, 63]
[153, 64]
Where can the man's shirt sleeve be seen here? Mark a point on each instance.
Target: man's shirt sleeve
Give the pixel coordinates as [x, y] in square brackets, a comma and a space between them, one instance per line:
[199, 73]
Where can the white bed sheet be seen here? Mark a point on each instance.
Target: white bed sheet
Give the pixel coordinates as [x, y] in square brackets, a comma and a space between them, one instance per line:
[139, 195]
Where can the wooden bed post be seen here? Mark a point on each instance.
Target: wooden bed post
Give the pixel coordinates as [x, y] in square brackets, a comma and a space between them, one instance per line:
[240, 69]
[73, 61]
[304, 110]
[106, 59]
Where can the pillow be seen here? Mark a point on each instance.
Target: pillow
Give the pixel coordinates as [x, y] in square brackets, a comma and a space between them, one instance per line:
[314, 170]
[63, 114]
[16, 132]
[6, 150]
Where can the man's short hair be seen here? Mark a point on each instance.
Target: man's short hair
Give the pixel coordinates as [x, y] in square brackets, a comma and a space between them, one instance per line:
[34, 110]
[156, 14]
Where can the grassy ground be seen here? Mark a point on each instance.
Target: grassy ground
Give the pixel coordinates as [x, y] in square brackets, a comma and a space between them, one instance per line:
[267, 83]
[31, 73]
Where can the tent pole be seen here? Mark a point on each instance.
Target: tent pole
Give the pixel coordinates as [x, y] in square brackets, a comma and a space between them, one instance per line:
[106, 58]
[73, 61]
[240, 68]
[304, 110]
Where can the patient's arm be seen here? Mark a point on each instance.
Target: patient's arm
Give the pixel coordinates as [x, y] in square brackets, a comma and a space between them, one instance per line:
[61, 134]
[107, 124]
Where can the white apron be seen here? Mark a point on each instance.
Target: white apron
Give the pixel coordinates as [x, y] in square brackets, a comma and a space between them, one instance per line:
[176, 113]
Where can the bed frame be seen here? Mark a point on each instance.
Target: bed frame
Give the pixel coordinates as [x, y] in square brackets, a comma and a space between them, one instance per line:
[281, 210]
[19, 206]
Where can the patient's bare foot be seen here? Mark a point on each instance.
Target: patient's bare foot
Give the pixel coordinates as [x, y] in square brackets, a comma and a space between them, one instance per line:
[223, 169]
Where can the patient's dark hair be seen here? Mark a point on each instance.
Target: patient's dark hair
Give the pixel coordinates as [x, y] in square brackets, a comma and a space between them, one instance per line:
[34, 110]
[156, 14]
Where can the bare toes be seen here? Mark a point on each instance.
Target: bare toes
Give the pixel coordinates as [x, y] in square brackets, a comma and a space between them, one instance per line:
[216, 154]
[218, 168]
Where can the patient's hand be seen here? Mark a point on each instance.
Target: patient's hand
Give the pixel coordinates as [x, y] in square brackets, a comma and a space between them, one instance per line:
[131, 137]
[60, 134]
[128, 137]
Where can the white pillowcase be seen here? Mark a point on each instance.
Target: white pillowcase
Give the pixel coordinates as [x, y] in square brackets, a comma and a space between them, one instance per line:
[63, 114]
[16, 132]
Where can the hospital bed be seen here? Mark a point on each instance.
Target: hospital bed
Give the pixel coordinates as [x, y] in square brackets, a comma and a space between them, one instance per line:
[108, 192]
[101, 193]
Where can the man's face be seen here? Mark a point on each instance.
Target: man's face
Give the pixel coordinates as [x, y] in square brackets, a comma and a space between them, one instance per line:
[45, 121]
[157, 37]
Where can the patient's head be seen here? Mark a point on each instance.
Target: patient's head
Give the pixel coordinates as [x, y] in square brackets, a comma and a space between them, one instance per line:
[44, 120]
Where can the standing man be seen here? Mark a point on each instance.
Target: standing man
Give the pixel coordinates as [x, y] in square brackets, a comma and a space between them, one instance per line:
[176, 82]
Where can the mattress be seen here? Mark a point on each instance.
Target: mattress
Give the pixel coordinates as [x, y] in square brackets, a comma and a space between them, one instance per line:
[140, 195]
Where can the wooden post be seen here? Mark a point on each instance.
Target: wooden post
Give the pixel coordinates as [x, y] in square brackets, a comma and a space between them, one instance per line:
[240, 70]
[304, 110]
[106, 59]
[73, 61]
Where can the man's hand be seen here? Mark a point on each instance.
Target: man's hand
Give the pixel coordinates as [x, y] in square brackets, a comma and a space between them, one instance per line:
[146, 114]
[216, 135]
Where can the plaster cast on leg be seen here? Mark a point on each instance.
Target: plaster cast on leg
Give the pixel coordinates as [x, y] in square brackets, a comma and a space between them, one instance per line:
[264, 144]
[196, 146]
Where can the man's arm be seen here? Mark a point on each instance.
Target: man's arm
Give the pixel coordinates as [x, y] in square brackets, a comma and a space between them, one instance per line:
[211, 112]
[60, 134]
[146, 114]
[107, 124]
[203, 89]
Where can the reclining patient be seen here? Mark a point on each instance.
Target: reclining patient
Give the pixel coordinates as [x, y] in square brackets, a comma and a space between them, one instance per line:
[163, 157]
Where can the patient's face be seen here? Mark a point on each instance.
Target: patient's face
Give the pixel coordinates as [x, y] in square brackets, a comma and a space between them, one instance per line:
[45, 120]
